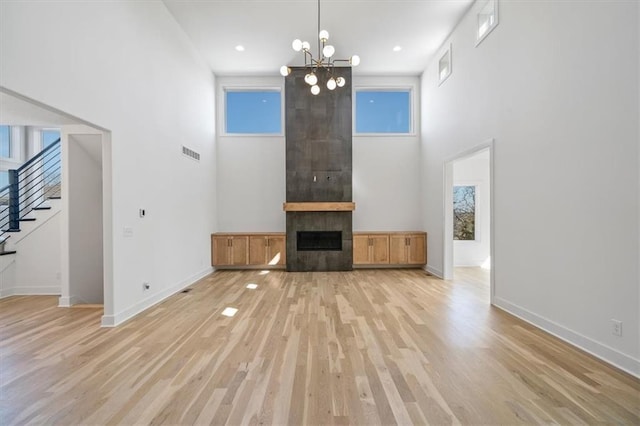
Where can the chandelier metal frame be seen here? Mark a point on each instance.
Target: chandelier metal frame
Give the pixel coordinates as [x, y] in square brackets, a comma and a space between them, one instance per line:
[324, 60]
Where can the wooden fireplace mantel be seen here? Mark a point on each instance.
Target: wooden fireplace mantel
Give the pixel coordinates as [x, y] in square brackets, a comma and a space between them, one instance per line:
[319, 207]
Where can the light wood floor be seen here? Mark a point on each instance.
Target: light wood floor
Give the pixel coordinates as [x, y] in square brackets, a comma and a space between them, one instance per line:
[364, 347]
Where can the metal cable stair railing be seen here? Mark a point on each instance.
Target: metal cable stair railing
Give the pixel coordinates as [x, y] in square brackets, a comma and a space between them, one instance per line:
[33, 183]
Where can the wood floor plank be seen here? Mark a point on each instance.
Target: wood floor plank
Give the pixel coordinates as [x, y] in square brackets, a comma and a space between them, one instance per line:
[364, 347]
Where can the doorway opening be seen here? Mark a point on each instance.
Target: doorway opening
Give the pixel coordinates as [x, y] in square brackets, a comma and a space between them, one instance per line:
[83, 233]
[468, 218]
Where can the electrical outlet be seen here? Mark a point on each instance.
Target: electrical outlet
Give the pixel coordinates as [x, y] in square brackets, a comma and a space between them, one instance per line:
[145, 286]
[616, 327]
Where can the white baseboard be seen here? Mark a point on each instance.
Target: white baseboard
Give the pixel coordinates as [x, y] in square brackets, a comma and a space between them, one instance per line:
[434, 271]
[67, 302]
[597, 349]
[119, 318]
[30, 291]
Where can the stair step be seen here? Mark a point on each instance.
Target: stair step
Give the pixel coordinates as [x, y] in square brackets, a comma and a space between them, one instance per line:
[5, 253]
[28, 219]
[56, 197]
[41, 208]
[11, 230]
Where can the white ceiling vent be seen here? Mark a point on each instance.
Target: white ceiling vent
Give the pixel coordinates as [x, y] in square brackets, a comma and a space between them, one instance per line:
[190, 153]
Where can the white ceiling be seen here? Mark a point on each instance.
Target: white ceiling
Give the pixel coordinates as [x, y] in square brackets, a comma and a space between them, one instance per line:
[368, 28]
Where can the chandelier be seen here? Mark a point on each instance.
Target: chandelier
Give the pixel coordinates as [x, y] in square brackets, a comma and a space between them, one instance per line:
[324, 60]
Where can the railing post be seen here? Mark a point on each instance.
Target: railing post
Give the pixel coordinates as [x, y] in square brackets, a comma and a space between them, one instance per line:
[14, 200]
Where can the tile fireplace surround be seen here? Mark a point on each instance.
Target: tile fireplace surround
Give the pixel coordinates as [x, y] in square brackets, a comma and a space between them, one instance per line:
[318, 174]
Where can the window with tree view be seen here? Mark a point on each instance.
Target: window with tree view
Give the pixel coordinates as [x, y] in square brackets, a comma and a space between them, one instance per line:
[464, 213]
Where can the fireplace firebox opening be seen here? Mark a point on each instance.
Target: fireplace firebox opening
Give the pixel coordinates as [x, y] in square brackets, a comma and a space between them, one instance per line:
[319, 240]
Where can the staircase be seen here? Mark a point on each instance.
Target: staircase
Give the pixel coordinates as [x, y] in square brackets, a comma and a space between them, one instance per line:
[30, 189]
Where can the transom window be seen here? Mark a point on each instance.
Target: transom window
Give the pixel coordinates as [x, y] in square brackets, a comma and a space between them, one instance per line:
[383, 111]
[253, 112]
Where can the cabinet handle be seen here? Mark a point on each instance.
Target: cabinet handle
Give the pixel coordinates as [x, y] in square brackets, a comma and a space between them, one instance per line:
[370, 242]
[268, 243]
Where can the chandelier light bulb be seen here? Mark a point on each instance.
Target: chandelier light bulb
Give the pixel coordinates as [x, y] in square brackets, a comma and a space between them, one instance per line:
[328, 51]
[312, 79]
[285, 70]
[315, 89]
[355, 60]
[331, 83]
[297, 45]
[340, 81]
[324, 35]
[306, 46]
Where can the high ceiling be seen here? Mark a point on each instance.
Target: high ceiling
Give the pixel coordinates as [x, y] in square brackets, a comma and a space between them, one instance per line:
[368, 28]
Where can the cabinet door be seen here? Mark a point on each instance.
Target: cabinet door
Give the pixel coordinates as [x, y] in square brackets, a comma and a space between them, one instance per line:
[277, 251]
[219, 251]
[398, 249]
[361, 250]
[417, 249]
[379, 249]
[257, 250]
[239, 250]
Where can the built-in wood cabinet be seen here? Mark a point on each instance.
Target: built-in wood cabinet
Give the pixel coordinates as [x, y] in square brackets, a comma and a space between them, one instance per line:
[267, 249]
[259, 249]
[229, 250]
[389, 248]
[369, 249]
[410, 248]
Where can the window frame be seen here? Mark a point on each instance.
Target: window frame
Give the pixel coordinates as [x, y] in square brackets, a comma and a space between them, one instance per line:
[386, 88]
[11, 147]
[480, 38]
[233, 88]
[446, 54]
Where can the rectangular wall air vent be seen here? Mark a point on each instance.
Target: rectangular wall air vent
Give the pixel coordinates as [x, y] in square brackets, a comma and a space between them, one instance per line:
[190, 153]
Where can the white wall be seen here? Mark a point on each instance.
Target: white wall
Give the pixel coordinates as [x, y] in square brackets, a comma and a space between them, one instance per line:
[85, 218]
[251, 171]
[35, 268]
[474, 171]
[129, 68]
[387, 169]
[556, 85]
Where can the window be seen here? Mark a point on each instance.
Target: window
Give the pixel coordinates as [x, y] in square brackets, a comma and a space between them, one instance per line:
[383, 111]
[5, 142]
[49, 136]
[487, 19]
[253, 112]
[444, 65]
[4, 178]
[464, 213]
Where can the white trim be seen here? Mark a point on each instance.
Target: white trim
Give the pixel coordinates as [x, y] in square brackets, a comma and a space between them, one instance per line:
[30, 291]
[119, 318]
[599, 350]
[434, 271]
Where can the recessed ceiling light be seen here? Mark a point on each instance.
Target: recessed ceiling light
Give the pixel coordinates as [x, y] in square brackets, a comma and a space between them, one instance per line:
[397, 48]
[240, 48]
[229, 312]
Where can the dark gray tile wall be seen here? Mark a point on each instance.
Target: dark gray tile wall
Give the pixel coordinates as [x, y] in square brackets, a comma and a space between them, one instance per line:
[319, 166]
